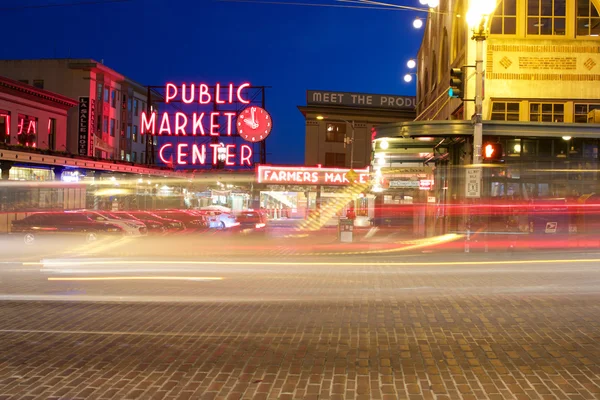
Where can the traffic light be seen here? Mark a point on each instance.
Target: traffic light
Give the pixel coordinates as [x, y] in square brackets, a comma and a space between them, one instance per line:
[492, 152]
[457, 84]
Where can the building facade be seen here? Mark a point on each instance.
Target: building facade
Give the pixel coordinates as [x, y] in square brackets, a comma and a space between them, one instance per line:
[541, 81]
[115, 103]
[340, 125]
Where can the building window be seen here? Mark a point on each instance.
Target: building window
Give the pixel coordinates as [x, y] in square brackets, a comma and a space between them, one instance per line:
[588, 20]
[124, 102]
[27, 128]
[123, 154]
[4, 127]
[105, 124]
[546, 112]
[546, 17]
[582, 111]
[135, 133]
[135, 107]
[134, 156]
[113, 98]
[106, 93]
[129, 101]
[505, 111]
[335, 159]
[504, 21]
[52, 134]
[112, 127]
[336, 133]
[38, 83]
[99, 91]
[128, 131]
[127, 157]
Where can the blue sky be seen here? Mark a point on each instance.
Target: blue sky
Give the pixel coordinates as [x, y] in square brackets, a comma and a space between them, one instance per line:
[290, 48]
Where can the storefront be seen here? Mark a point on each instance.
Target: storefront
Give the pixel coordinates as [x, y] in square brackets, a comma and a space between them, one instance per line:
[312, 193]
[527, 162]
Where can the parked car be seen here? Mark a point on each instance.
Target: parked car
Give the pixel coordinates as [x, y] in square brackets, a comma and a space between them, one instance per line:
[219, 219]
[252, 220]
[153, 222]
[131, 227]
[54, 224]
[190, 220]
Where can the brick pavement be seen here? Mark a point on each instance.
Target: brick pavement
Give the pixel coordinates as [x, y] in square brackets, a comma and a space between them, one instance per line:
[368, 341]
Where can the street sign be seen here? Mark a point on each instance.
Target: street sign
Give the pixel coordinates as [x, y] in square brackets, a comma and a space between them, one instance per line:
[473, 183]
[551, 227]
[351, 175]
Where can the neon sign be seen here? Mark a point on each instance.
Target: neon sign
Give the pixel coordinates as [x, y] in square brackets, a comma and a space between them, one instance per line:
[309, 175]
[252, 124]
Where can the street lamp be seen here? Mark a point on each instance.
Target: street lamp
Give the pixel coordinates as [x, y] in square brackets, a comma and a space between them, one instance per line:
[477, 18]
[408, 77]
[411, 63]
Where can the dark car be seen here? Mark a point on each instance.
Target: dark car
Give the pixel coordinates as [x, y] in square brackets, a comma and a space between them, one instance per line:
[252, 220]
[190, 220]
[54, 224]
[169, 224]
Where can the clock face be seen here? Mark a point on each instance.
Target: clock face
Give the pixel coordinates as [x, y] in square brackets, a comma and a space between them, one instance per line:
[254, 124]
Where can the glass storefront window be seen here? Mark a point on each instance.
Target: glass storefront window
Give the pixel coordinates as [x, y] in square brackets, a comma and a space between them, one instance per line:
[4, 126]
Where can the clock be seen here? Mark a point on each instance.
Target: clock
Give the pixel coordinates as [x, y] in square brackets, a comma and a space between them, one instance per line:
[254, 124]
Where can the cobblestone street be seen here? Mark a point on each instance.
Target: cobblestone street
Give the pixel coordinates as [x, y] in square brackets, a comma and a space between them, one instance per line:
[301, 331]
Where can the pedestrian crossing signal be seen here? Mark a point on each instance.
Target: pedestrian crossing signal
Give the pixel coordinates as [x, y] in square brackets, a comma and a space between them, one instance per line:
[492, 152]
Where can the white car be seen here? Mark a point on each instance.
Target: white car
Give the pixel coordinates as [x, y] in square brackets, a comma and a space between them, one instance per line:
[219, 220]
[131, 227]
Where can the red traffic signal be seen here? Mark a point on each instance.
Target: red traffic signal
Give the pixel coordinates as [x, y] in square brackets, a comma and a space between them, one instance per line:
[492, 152]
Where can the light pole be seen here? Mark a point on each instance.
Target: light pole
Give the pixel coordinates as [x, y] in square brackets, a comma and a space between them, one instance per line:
[477, 18]
[351, 142]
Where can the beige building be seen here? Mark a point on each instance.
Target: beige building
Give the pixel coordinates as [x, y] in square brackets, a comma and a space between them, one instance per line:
[541, 61]
[340, 125]
[115, 103]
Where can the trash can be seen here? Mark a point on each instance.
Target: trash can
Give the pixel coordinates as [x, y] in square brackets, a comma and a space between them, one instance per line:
[345, 230]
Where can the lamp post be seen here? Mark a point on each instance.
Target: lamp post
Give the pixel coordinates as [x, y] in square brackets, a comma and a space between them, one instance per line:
[477, 18]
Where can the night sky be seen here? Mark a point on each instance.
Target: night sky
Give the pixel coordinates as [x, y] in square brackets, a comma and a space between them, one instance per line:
[290, 48]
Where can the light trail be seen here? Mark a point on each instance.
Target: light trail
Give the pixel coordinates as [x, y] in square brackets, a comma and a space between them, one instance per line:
[139, 278]
[316, 263]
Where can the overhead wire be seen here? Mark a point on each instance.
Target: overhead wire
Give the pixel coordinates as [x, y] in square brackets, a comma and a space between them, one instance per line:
[53, 5]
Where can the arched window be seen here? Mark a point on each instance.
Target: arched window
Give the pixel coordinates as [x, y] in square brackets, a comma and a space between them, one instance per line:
[434, 79]
[504, 20]
[444, 61]
[459, 30]
[546, 17]
[588, 20]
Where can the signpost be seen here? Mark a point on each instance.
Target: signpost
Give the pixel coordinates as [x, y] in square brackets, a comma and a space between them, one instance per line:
[473, 183]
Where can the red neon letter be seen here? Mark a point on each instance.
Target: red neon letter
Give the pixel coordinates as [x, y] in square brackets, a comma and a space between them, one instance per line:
[180, 153]
[218, 94]
[214, 147]
[180, 125]
[192, 90]
[148, 126]
[197, 124]
[214, 124]
[165, 125]
[229, 155]
[197, 155]
[170, 88]
[231, 93]
[21, 122]
[230, 116]
[246, 154]
[204, 97]
[161, 155]
[31, 127]
[239, 93]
